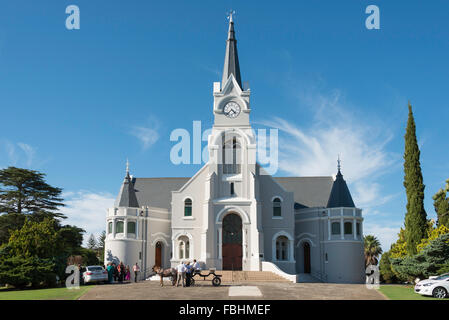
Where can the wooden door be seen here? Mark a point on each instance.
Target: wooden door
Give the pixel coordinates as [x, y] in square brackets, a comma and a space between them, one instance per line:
[232, 251]
[306, 257]
[158, 258]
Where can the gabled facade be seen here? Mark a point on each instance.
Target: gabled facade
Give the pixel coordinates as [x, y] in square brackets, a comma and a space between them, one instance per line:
[231, 215]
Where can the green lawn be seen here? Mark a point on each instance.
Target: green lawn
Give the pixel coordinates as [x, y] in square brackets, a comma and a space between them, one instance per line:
[44, 294]
[403, 292]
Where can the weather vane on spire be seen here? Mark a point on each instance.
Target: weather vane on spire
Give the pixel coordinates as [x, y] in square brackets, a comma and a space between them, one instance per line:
[338, 163]
[230, 14]
[127, 167]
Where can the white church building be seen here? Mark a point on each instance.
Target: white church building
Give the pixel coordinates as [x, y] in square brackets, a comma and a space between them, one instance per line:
[232, 215]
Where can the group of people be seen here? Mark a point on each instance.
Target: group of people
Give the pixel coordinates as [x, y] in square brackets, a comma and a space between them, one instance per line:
[120, 273]
[186, 271]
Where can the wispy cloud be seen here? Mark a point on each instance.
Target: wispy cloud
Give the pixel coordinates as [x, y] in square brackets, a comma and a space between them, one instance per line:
[29, 152]
[147, 135]
[312, 150]
[19, 154]
[87, 210]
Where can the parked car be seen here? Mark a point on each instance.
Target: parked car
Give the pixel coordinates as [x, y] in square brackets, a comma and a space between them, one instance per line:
[95, 274]
[437, 286]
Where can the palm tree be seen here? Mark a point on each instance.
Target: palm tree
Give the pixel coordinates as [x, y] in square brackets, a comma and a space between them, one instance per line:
[372, 250]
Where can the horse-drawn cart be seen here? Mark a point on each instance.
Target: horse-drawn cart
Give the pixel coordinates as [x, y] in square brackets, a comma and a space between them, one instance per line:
[216, 281]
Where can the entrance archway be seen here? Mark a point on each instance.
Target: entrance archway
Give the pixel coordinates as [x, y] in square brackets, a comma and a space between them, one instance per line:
[232, 251]
[158, 255]
[306, 257]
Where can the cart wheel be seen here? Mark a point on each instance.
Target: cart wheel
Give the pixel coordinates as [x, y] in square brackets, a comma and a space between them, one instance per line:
[216, 281]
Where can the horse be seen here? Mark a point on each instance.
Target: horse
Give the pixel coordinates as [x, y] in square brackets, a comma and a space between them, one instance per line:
[171, 272]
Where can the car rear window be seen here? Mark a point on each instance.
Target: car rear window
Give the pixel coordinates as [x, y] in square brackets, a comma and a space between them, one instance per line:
[442, 277]
[94, 268]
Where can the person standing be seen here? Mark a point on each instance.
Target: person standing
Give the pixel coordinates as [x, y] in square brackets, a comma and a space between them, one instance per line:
[196, 266]
[122, 272]
[189, 270]
[181, 273]
[136, 270]
[110, 270]
[114, 272]
[127, 274]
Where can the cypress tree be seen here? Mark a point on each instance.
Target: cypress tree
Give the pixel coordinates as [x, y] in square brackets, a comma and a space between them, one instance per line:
[416, 217]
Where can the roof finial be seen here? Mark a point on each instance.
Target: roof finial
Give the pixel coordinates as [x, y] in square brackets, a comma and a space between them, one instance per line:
[127, 167]
[230, 14]
[338, 163]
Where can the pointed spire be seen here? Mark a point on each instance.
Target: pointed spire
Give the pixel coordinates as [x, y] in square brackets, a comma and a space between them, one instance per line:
[127, 195]
[231, 64]
[340, 195]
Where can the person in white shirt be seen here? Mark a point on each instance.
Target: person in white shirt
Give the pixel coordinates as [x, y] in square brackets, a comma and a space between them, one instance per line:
[181, 273]
[196, 266]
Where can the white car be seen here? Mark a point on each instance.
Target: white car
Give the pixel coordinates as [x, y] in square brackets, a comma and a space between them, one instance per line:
[438, 287]
[95, 274]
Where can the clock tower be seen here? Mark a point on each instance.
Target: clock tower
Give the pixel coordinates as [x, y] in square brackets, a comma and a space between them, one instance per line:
[232, 185]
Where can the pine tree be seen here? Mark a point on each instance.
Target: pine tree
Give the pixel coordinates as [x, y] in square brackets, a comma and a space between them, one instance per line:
[92, 242]
[416, 217]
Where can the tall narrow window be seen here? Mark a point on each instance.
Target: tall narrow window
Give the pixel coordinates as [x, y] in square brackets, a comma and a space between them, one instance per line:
[277, 207]
[181, 249]
[131, 227]
[231, 157]
[232, 188]
[109, 227]
[188, 208]
[184, 247]
[282, 248]
[358, 228]
[119, 227]
[335, 228]
[348, 227]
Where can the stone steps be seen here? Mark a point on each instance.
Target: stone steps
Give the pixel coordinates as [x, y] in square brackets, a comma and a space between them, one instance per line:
[249, 276]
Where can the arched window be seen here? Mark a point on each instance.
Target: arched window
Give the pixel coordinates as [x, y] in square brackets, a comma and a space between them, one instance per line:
[109, 227]
[348, 227]
[184, 247]
[335, 228]
[188, 208]
[282, 248]
[231, 157]
[131, 227]
[277, 207]
[119, 227]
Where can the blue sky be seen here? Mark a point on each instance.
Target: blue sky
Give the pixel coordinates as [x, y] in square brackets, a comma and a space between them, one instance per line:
[75, 104]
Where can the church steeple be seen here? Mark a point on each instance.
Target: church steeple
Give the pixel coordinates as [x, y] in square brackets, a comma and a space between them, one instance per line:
[127, 195]
[231, 63]
[340, 195]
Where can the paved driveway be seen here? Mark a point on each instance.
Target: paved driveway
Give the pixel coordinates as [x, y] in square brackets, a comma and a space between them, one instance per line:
[150, 290]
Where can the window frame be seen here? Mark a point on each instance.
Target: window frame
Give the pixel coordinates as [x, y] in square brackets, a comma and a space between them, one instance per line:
[277, 207]
[335, 223]
[188, 205]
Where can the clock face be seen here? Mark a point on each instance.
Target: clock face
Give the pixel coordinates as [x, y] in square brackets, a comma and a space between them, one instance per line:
[231, 109]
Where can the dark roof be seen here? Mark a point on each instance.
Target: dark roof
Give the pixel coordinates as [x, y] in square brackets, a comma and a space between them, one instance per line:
[308, 192]
[231, 63]
[156, 192]
[340, 195]
[127, 195]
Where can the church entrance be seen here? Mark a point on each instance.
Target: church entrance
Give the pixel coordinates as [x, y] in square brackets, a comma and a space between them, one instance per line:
[306, 257]
[232, 242]
[158, 257]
